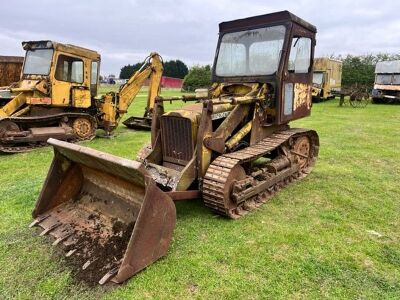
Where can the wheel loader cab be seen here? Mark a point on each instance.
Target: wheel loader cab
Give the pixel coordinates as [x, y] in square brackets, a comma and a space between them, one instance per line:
[69, 72]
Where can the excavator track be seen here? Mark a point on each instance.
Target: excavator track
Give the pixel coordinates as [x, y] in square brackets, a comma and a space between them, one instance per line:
[229, 169]
[20, 147]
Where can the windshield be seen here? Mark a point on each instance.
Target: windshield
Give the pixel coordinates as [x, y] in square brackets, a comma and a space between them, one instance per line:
[318, 78]
[387, 79]
[37, 62]
[250, 52]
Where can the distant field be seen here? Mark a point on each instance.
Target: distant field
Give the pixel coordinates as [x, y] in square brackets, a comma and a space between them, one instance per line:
[336, 234]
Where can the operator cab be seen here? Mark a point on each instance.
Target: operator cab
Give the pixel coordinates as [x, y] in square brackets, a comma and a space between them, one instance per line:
[275, 49]
[71, 71]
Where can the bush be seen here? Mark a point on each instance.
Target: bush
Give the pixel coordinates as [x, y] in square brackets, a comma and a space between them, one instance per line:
[198, 77]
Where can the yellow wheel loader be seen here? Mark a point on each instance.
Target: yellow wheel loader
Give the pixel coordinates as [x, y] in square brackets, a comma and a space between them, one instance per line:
[56, 97]
[234, 150]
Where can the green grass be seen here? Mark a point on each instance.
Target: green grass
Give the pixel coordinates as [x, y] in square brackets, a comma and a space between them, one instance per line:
[314, 239]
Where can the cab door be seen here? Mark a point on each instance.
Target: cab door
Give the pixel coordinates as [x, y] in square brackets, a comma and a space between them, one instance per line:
[297, 86]
[68, 76]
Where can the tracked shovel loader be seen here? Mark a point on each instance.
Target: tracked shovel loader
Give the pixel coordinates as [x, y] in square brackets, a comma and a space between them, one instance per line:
[234, 150]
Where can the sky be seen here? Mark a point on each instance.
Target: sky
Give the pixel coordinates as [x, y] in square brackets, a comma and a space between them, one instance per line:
[125, 32]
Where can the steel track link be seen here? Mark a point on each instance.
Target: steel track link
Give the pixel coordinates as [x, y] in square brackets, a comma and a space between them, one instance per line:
[217, 174]
[23, 149]
[33, 146]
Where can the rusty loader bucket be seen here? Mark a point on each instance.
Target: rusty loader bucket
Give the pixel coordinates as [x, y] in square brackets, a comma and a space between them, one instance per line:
[105, 212]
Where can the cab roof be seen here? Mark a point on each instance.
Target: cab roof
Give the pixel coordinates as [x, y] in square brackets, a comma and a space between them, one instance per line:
[256, 21]
[68, 48]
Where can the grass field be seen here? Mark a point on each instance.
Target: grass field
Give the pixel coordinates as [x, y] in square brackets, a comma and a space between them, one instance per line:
[336, 234]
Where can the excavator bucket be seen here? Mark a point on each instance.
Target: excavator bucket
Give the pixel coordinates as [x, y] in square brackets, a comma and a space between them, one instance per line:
[105, 212]
[138, 123]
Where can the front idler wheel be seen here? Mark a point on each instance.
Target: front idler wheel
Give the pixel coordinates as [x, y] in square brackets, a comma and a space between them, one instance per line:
[7, 126]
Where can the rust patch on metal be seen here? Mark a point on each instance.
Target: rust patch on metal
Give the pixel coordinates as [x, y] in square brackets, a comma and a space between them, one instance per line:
[44, 100]
[388, 87]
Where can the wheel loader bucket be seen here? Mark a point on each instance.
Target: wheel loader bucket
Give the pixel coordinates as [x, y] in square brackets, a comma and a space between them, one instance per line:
[107, 214]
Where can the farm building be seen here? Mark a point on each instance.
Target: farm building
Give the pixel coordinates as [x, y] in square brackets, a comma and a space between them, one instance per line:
[170, 82]
[10, 69]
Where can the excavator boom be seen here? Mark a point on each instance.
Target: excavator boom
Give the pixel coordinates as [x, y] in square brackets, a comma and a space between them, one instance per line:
[154, 70]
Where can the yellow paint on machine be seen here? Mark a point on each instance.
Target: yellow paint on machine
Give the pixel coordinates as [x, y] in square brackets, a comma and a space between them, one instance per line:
[302, 95]
[81, 98]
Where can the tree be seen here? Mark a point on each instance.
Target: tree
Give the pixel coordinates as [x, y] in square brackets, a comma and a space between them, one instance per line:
[128, 70]
[358, 69]
[172, 68]
[175, 68]
[198, 77]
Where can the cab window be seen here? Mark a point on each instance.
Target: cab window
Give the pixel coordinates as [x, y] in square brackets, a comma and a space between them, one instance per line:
[300, 55]
[93, 77]
[69, 69]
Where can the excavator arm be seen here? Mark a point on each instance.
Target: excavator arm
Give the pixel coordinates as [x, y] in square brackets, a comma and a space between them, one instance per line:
[153, 68]
[116, 105]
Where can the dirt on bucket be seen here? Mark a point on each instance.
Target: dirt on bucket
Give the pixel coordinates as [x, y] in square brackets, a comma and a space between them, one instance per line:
[96, 256]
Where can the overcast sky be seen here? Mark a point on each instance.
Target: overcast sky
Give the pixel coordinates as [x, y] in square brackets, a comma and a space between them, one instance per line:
[127, 31]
